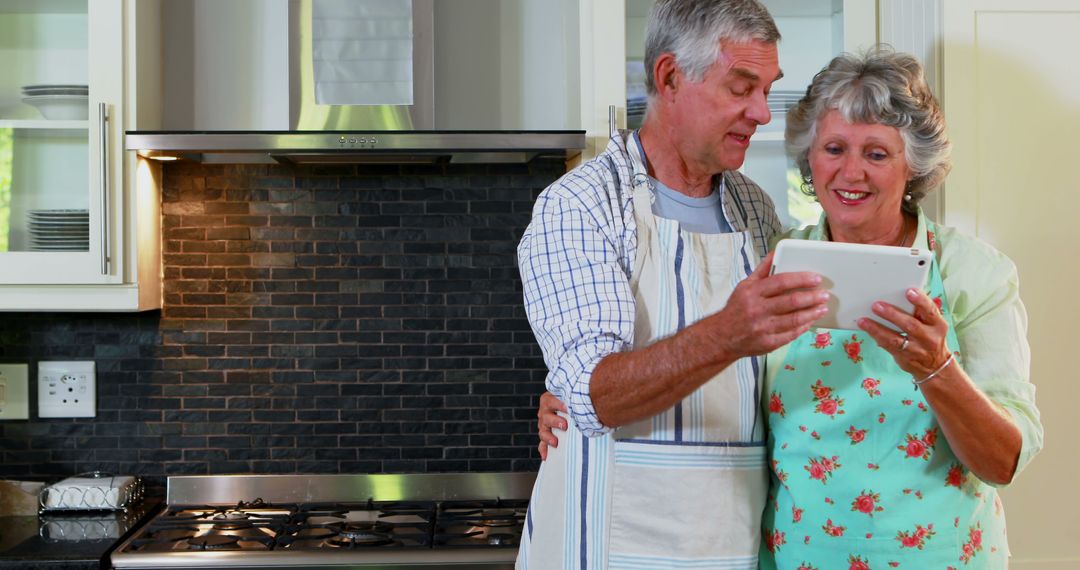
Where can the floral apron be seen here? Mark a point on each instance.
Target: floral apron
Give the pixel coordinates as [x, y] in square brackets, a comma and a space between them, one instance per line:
[862, 477]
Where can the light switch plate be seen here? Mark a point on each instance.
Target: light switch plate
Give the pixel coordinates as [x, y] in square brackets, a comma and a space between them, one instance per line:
[66, 389]
[14, 392]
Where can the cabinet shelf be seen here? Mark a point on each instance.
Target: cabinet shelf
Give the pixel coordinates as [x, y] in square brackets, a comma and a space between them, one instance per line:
[43, 124]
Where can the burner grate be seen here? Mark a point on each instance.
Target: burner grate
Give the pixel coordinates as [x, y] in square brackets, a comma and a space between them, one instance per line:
[497, 523]
[258, 525]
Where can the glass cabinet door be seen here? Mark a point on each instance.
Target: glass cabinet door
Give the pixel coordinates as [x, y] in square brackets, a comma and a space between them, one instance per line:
[52, 127]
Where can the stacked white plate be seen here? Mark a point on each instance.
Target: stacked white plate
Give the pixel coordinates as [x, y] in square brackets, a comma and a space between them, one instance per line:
[781, 101]
[59, 230]
[60, 102]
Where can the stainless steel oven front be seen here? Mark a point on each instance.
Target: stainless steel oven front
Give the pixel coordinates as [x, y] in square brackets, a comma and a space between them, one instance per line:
[460, 520]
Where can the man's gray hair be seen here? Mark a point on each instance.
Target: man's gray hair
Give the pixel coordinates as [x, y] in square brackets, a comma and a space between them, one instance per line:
[693, 29]
[877, 86]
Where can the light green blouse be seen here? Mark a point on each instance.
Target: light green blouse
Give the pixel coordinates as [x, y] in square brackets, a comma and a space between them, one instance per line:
[982, 289]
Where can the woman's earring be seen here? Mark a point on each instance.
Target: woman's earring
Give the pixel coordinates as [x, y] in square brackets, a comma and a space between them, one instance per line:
[907, 197]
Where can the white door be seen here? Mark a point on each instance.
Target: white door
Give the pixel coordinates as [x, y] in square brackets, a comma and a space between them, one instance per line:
[1012, 101]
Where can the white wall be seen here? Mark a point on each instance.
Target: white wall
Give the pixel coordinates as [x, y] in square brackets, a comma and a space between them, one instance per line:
[1012, 100]
[226, 64]
[506, 64]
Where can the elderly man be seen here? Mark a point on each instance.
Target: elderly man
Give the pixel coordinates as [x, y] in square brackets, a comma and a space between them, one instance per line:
[639, 284]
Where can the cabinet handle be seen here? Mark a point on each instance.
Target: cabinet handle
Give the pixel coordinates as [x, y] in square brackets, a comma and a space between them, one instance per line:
[611, 118]
[103, 122]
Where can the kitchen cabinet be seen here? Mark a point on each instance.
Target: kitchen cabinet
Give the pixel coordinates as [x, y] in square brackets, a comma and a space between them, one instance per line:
[612, 74]
[78, 215]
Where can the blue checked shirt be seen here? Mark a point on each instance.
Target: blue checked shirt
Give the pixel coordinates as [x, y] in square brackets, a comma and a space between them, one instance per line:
[576, 258]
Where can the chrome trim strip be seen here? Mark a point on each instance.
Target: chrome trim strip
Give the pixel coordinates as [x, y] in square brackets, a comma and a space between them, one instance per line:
[345, 142]
[397, 558]
[228, 489]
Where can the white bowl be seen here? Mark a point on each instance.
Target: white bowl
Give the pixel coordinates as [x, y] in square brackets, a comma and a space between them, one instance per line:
[61, 107]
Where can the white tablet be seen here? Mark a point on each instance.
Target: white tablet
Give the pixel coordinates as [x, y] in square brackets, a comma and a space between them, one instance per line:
[857, 275]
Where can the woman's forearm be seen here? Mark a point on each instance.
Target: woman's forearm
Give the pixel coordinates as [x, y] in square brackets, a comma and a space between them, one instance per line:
[982, 434]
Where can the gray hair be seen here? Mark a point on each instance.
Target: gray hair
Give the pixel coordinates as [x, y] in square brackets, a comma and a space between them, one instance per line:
[878, 86]
[693, 29]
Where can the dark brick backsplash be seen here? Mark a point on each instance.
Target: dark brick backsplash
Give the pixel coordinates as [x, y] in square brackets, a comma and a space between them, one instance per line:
[336, 319]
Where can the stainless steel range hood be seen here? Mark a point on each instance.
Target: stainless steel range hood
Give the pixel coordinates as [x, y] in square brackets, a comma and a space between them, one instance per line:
[349, 147]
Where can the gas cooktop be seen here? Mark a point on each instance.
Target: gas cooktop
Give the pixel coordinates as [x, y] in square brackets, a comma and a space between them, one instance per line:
[405, 521]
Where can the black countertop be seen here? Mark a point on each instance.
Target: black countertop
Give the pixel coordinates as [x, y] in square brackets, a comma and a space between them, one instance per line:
[67, 542]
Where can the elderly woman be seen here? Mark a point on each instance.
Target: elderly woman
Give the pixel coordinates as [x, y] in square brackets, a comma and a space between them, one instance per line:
[866, 471]
[886, 448]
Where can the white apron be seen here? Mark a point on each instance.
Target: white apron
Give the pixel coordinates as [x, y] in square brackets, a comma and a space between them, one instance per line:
[686, 488]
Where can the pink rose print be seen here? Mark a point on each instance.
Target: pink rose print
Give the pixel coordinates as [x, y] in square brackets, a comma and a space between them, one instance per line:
[821, 468]
[893, 564]
[867, 503]
[907, 402]
[815, 435]
[975, 536]
[830, 464]
[853, 349]
[881, 418]
[871, 387]
[917, 493]
[873, 466]
[919, 447]
[820, 390]
[822, 340]
[829, 407]
[955, 477]
[856, 435]
[775, 540]
[937, 302]
[789, 367]
[930, 437]
[826, 403]
[826, 362]
[780, 473]
[917, 538]
[833, 530]
[806, 566]
[967, 552]
[857, 563]
[796, 514]
[776, 404]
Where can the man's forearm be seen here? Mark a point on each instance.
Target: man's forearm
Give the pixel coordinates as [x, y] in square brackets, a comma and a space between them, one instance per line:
[630, 386]
[762, 313]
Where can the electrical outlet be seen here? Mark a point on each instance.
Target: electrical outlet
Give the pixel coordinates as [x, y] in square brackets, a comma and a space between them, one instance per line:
[14, 392]
[66, 389]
